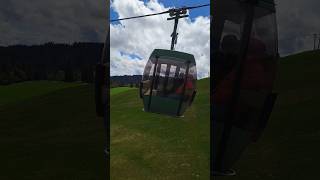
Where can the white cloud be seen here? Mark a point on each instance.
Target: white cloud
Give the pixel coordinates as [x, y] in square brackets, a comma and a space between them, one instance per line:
[297, 21]
[60, 21]
[141, 36]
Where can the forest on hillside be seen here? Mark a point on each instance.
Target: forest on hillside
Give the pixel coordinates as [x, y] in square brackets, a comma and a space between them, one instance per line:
[50, 61]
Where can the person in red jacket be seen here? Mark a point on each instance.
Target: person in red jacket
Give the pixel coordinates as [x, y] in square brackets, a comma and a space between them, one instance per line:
[255, 74]
[254, 78]
[189, 85]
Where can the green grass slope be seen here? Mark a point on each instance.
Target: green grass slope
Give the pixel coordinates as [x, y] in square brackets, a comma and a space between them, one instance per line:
[50, 131]
[290, 146]
[26, 90]
[53, 134]
[153, 146]
[118, 90]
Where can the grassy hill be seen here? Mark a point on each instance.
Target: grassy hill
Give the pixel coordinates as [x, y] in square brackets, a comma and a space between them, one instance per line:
[153, 146]
[119, 90]
[290, 146]
[49, 130]
[29, 89]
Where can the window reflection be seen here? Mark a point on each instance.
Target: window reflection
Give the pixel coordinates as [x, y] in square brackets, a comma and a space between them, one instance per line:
[171, 79]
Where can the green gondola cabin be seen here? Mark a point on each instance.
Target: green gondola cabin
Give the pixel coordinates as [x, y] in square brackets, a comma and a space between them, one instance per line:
[168, 84]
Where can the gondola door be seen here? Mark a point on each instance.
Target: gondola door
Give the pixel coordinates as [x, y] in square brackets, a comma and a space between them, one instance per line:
[161, 82]
[160, 102]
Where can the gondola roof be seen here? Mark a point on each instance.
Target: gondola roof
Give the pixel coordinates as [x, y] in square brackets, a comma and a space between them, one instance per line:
[174, 55]
[231, 8]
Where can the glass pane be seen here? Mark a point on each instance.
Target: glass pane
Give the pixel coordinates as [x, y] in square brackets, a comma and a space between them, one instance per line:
[148, 70]
[161, 83]
[151, 70]
[264, 30]
[193, 73]
[172, 71]
[170, 78]
[229, 49]
[230, 28]
[259, 70]
[163, 70]
[227, 33]
[260, 63]
[182, 73]
[147, 77]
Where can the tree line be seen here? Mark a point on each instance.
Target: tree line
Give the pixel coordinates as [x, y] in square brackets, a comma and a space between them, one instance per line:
[126, 80]
[50, 61]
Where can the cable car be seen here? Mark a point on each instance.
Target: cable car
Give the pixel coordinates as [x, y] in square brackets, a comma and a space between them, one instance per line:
[169, 81]
[245, 56]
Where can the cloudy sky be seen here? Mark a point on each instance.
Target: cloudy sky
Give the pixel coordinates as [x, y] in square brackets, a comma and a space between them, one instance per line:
[63, 21]
[297, 21]
[132, 41]
[67, 21]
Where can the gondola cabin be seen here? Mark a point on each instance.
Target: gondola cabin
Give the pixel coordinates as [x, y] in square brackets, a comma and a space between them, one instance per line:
[245, 57]
[168, 84]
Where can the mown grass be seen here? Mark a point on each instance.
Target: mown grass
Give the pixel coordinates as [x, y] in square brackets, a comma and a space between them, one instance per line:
[29, 89]
[118, 90]
[153, 146]
[54, 134]
[290, 146]
[49, 130]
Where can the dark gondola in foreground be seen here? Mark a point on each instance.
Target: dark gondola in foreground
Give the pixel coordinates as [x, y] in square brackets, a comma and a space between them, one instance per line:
[245, 57]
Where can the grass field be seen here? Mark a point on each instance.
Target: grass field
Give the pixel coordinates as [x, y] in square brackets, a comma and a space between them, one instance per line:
[27, 90]
[118, 90]
[49, 130]
[152, 146]
[290, 146]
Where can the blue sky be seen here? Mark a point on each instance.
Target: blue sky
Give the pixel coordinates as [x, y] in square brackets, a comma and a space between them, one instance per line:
[132, 41]
[204, 11]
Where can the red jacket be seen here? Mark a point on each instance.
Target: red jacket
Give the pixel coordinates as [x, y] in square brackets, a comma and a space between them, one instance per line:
[255, 76]
[189, 85]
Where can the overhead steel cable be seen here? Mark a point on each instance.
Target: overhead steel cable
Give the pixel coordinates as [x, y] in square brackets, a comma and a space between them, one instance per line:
[194, 7]
[154, 14]
[114, 20]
